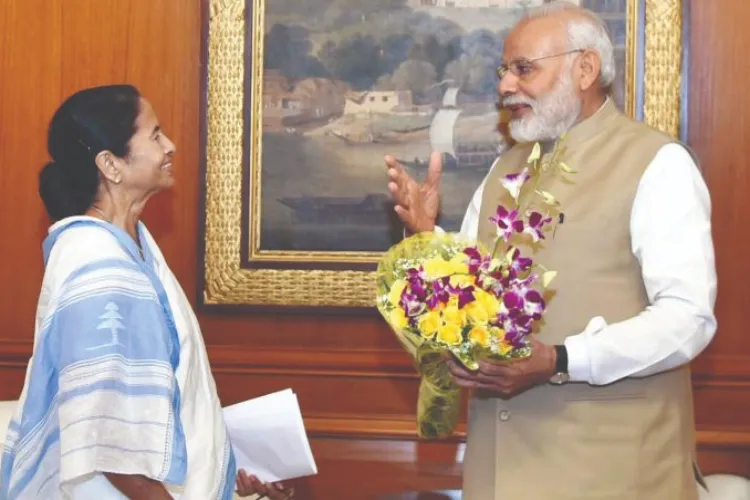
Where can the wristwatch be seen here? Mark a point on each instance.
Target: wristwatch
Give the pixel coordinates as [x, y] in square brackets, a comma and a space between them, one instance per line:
[561, 375]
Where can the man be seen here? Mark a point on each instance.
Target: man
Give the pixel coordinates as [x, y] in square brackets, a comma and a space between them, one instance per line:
[603, 408]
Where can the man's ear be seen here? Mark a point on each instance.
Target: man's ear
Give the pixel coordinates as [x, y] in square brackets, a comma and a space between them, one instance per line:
[107, 165]
[590, 67]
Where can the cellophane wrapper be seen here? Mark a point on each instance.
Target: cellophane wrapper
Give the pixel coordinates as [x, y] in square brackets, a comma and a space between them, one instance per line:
[442, 309]
[445, 296]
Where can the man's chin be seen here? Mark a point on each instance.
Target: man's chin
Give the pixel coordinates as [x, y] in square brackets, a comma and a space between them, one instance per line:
[522, 131]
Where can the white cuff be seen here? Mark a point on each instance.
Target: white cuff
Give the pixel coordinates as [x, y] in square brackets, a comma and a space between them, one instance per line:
[436, 230]
[579, 355]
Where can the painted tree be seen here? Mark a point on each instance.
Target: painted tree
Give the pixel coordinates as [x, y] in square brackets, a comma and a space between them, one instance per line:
[111, 321]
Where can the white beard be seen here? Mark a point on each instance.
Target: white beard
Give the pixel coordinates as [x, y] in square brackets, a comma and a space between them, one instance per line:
[552, 114]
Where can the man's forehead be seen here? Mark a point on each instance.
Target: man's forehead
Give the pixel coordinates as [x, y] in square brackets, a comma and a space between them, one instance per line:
[535, 38]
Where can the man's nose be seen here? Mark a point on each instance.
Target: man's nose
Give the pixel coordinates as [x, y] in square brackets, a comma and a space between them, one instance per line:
[507, 85]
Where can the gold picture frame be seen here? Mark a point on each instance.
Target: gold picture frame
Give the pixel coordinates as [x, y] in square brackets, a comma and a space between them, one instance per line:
[654, 31]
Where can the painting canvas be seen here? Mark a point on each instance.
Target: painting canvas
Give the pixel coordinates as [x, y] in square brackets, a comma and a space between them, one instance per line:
[304, 100]
[345, 82]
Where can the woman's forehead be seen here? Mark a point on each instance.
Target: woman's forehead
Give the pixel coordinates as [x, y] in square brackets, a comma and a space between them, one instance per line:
[147, 115]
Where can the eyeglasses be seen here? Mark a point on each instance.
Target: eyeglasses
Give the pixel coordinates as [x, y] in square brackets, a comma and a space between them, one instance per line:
[523, 68]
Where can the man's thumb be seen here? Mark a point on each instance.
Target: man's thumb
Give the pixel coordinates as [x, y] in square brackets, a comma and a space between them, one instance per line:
[435, 168]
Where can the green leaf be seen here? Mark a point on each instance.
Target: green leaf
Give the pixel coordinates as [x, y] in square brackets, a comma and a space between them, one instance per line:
[547, 278]
[565, 168]
[536, 153]
[548, 198]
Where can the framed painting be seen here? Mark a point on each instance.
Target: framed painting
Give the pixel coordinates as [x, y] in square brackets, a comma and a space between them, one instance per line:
[302, 100]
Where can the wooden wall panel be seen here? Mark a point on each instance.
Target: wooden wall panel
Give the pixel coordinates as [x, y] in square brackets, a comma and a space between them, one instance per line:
[719, 117]
[356, 387]
[719, 128]
[30, 84]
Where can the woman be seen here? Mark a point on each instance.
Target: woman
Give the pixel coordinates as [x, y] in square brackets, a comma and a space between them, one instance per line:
[119, 400]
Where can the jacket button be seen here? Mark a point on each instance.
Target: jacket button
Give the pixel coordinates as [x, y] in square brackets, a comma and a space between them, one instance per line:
[505, 415]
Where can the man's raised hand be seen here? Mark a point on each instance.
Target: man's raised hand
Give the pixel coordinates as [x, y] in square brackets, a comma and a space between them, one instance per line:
[416, 205]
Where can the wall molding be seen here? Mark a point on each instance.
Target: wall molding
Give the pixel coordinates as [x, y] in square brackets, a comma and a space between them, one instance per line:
[376, 363]
[233, 359]
[14, 354]
[724, 439]
[709, 370]
[716, 371]
[721, 367]
[404, 428]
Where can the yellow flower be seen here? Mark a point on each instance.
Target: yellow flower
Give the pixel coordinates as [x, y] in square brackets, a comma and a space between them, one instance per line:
[479, 335]
[476, 313]
[396, 289]
[453, 315]
[437, 268]
[398, 318]
[488, 301]
[450, 333]
[497, 333]
[429, 323]
[459, 263]
[462, 280]
[504, 348]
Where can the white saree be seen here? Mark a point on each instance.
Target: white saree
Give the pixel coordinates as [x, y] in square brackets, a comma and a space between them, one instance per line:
[119, 379]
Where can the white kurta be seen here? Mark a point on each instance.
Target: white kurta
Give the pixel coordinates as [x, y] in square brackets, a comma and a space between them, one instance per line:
[670, 229]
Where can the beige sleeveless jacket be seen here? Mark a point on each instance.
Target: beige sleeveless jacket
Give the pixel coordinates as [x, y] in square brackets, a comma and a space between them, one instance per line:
[631, 440]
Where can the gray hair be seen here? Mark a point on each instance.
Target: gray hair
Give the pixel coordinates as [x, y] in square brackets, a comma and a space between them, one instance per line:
[589, 33]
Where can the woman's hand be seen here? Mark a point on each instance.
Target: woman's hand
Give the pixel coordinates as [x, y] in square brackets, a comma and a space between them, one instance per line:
[249, 485]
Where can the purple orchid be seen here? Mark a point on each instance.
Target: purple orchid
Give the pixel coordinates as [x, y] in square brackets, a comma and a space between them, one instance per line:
[516, 326]
[414, 274]
[476, 259]
[441, 292]
[465, 295]
[507, 222]
[416, 279]
[411, 304]
[516, 339]
[518, 264]
[534, 304]
[512, 300]
[535, 225]
[514, 182]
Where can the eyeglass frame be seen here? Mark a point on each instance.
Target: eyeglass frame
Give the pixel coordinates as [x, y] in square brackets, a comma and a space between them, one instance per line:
[503, 69]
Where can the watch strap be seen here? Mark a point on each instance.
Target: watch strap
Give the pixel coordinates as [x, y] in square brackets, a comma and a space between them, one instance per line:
[561, 363]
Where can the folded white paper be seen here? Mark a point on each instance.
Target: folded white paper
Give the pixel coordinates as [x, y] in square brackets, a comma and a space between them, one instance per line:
[269, 438]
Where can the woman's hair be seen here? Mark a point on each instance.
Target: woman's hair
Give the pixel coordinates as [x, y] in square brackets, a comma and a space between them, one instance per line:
[87, 123]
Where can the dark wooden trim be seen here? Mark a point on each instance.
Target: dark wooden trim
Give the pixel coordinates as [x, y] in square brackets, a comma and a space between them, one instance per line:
[402, 427]
[715, 372]
[243, 359]
[378, 363]
[246, 117]
[708, 371]
[202, 160]
[723, 439]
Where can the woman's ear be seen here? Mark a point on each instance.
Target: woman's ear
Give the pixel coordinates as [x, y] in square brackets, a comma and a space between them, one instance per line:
[108, 167]
[590, 66]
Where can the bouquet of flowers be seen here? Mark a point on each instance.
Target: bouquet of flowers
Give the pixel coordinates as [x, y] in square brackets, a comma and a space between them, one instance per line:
[441, 293]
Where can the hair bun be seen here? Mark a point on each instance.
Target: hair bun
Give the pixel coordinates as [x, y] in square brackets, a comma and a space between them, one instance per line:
[59, 196]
